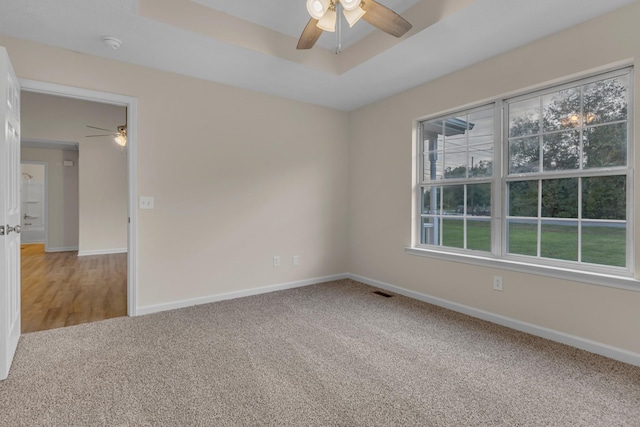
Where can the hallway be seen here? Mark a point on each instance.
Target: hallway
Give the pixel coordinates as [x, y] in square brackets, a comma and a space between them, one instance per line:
[61, 289]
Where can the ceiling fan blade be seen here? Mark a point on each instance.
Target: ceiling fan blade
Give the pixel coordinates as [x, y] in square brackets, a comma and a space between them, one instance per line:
[310, 35]
[384, 18]
[91, 136]
[106, 130]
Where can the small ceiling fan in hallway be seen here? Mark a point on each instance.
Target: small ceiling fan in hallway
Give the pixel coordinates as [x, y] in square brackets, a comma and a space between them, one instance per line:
[119, 136]
[325, 17]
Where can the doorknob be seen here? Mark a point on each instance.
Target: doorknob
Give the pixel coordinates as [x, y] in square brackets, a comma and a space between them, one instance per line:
[17, 229]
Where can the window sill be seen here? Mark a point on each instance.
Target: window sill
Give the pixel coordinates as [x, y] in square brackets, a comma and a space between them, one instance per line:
[612, 281]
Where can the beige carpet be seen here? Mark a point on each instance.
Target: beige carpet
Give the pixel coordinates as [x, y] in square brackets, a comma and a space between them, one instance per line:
[334, 354]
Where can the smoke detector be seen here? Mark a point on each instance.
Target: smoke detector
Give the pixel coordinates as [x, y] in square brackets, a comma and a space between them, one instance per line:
[111, 42]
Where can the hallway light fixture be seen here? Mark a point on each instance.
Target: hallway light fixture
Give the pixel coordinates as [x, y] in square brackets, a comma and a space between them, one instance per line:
[121, 136]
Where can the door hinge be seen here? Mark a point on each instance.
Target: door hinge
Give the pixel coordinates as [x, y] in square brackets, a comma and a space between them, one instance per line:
[1, 230]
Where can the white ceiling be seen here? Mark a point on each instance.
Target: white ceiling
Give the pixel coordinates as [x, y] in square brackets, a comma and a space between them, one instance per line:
[479, 31]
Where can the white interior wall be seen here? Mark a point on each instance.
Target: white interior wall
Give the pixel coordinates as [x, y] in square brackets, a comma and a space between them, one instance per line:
[237, 176]
[102, 217]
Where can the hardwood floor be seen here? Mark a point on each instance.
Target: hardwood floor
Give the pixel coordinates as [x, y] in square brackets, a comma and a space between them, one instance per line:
[61, 289]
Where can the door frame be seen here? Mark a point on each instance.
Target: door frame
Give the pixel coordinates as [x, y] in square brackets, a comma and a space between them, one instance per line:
[132, 162]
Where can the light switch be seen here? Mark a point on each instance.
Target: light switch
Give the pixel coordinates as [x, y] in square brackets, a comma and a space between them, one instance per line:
[146, 202]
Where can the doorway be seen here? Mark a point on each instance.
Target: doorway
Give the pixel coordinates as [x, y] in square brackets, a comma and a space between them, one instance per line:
[33, 195]
[101, 278]
[79, 274]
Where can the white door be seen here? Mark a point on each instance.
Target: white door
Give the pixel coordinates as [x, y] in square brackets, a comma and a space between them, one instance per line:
[9, 213]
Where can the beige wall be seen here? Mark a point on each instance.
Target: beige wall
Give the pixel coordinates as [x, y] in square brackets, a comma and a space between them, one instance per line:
[238, 177]
[381, 180]
[62, 189]
[102, 168]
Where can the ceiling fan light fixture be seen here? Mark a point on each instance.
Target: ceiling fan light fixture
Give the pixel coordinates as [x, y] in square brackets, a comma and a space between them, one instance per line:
[350, 4]
[328, 21]
[318, 8]
[121, 136]
[325, 17]
[353, 16]
[121, 140]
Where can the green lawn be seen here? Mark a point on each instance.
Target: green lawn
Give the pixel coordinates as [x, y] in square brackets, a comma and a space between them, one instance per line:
[478, 234]
[600, 244]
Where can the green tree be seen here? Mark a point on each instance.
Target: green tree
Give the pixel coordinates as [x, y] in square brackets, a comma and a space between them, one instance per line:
[604, 144]
[597, 113]
[560, 198]
[604, 197]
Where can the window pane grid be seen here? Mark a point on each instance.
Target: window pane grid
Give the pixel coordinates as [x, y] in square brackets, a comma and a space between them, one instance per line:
[553, 123]
[571, 143]
[613, 171]
[565, 237]
[458, 147]
[457, 216]
[555, 132]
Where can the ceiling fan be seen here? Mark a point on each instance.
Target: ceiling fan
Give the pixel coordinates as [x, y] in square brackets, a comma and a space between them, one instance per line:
[324, 16]
[119, 136]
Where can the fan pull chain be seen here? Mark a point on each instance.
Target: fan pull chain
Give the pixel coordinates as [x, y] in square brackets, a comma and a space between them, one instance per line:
[338, 28]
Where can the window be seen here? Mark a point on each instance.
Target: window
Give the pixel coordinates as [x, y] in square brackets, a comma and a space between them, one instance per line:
[457, 177]
[551, 187]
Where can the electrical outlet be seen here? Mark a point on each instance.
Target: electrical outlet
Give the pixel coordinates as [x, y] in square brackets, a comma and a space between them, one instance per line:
[296, 260]
[497, 283]
[276, 261]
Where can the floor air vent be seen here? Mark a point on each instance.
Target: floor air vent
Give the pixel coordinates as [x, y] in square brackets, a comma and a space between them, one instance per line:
[382, 294]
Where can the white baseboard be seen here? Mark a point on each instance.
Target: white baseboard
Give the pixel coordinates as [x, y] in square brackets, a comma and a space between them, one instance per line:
[550, 334]
[148, 309]
[103, 252]
[62, 249]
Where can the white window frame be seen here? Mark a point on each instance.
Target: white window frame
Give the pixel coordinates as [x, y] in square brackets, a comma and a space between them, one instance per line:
[619, 277]
[457, 181]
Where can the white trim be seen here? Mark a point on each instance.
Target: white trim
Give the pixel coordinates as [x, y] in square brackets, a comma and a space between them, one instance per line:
[75, 92]
[49, 144]
[155, 308]
[103, 252]
[62, 249]
[132, 169]
[611, 352]
[132, 180]
[600, 279]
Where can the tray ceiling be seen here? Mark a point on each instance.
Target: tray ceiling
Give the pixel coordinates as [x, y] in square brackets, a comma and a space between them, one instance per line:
[251, 43]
